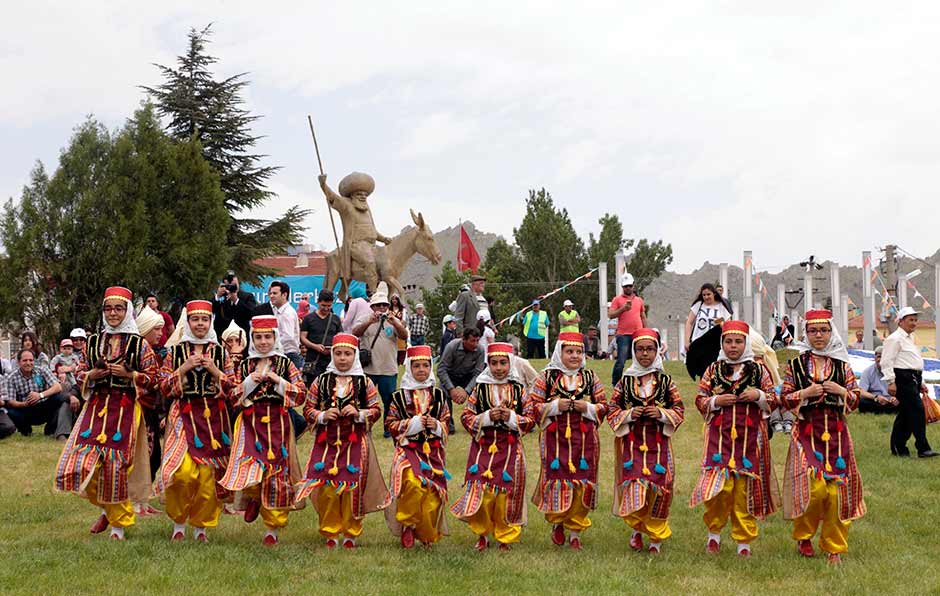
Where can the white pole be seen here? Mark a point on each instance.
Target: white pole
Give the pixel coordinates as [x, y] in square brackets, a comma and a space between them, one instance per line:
[723, 279]
[868, 302]
[664, 335]
[748, 313]
[844, 321]
[680, 337]
[736, 307]
[781, 301]
[835, 293]
[902, 291]
[620, 265]
[758, 323]
[808, 291]
[602, 302]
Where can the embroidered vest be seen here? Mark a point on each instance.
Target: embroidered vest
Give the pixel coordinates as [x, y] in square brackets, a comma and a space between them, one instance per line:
[556, 388]
[197, 383]
[631, 397]
[802, 378]
[280, 365]
[327, 384]
[97, 350]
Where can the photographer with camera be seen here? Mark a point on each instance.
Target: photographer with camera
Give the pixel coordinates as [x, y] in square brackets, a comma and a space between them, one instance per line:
[231, 304]
[378, 345]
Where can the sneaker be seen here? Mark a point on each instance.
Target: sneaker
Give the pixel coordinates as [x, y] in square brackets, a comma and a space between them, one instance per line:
[482, 544]
[713, 547]
[558, 535]
[778, 427]
[252, 510]
[100, 525]
[805, 548]
[788, 428]
[408, 537]
[636, 541]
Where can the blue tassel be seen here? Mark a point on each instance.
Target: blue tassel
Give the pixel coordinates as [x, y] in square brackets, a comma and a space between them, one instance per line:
[556, 464]
[425, 467]
[818, 455]
[583, 465]
[352, 469]
[198, 443]
[840, 463]
[473, 469]
[283, 451]
[116, 436]
[506, 476]
[225, 439]
[257, 445]
[318, 466]
[747, 463]
[659, 469]
[716, 458]
[86, 434]
[424, 481]
[627, 465]
[447, 475]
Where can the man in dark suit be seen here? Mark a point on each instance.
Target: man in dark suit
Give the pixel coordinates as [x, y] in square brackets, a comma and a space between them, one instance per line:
[232, 304]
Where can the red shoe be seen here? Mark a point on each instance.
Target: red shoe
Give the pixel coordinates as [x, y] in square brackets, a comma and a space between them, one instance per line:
[834, 559]
[575, 543]
[331, 543]
[653, 550]
[636, 542]
[152, 511]
[119, 537]
[348, 544]
[713, 548]
[100, 525]
[269, 540]
[482, 544]
[408, 537]
[177, 537]
[745, 552]
[504, 547]
[558, 535]
[252, 510]
[805, 548]
[202, 537]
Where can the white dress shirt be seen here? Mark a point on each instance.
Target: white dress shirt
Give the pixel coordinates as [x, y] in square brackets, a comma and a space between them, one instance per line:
[900, 351]
[288, 327]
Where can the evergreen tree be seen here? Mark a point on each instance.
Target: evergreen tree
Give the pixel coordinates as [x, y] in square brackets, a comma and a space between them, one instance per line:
[198, 105]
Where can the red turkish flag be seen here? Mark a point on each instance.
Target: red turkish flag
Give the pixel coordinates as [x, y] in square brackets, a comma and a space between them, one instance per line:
[467, 256]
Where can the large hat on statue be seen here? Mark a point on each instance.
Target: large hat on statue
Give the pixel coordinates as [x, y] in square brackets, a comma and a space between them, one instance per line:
[355, 182]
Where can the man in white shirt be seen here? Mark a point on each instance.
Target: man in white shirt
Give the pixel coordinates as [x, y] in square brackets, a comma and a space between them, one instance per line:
[288, 323]
[903, 368]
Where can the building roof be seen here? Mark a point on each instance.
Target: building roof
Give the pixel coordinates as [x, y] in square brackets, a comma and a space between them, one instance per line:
[312, 263]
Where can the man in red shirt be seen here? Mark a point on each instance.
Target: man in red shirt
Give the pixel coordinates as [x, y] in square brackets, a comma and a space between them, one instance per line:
[629, 310]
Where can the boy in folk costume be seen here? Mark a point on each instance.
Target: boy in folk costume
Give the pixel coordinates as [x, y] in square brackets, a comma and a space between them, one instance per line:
[737, 481]
[567, 401]
[105, 457]
[196, 378]
[343, 477]
[417, 420]
[822, 483]
[263, 462]
[494, 502]
[645, 410]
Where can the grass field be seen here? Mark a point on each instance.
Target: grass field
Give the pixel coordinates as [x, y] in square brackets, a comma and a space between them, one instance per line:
[46, 547]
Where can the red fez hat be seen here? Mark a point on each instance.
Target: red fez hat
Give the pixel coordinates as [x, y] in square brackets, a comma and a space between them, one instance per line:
[498, 349]
[646, 333]
[571, 338]
[346, 340]
[818, 316]
[198, 307]
[118, 293]
[739, 327]
[264, 323]
[419, 352]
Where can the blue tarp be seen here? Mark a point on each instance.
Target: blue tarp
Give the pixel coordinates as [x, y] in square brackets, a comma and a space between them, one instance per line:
[299, 285]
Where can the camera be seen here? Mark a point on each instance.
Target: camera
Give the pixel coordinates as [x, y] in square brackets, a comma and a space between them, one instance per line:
[230, 287]
[383, 317]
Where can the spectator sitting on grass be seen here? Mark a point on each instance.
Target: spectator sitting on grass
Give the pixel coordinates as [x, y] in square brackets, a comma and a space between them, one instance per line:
[65, 364]
[32, 395]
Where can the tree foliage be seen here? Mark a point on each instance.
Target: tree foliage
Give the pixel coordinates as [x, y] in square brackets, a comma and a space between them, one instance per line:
[196, 104]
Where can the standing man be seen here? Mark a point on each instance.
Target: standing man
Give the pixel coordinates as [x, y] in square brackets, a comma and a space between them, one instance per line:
[569, 321]
[469, 304]
[316, 333]
[630, 312]
[33, 395]
[232, 304]
[535, 328]
[461, 362]
[903, 369]
[168, 327]
[419, 325]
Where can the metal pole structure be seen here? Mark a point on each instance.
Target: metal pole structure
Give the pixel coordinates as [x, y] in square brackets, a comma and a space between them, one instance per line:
[664, 336]
[868, 303]
[835, 293]
[891, 281]
[936, 304]
[808, 291]
[736, 307]
[680, 340]
[902, 291]
[723, 279]
[844, 321]
[747, 298]
[781, 302]
[619, 263]
[758, 324]
[602, 302]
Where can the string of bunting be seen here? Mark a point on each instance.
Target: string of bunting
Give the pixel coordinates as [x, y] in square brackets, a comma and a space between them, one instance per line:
[514, 316]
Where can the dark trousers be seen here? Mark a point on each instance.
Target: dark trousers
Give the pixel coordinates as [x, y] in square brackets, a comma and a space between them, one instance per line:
[624, 353]
[386, 386]
[869, 406]
[534, 348]
[7, 427]
[418, 340]
[297, 421]
[910, 419]
[49, 412]
[459, 381]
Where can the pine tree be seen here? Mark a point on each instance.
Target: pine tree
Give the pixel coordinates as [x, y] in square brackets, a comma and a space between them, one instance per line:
[196, 104]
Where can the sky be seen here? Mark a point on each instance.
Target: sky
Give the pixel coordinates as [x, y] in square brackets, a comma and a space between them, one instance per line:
[786, 129]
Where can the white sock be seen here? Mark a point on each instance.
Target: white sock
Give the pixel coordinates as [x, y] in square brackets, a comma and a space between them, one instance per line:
[197, 532]
[348, 539]
[743, 547]
[119, 532]
[181, 528]
[574, 535]
[634, 535]
[656, 546]
[715, 537]
[271, 533]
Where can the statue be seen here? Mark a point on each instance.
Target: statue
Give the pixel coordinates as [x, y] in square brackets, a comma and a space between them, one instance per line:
[359, 257]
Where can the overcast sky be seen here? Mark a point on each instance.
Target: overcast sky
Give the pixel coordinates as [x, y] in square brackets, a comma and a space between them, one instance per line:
[716, 126]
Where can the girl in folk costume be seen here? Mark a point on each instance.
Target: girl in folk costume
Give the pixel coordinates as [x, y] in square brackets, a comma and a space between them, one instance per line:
[567, 401]
[417, 420]
[343, 477]
[263, 463]
[822, 483]
[494, 502]
[645, 410]
[737, 481]
[196, 378]
[150, 327]
[103, 460]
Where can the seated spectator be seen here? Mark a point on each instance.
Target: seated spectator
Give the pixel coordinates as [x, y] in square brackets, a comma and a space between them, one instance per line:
[78, 337]
[65, 364]
[592, 344]
[859, 340]
[784, 334]
[32, 395]
[29, 341]
[875, 398]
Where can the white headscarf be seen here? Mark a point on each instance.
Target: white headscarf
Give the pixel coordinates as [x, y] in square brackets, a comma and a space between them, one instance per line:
[354, 371]
[762, 350]
[409, 383]
[487, 377]
[746, 355]
[147, 320]
[177, 336]
[638, 370]
[835, 349]
[187, 333]
[128, 325]
[556, 364]
[277, 350]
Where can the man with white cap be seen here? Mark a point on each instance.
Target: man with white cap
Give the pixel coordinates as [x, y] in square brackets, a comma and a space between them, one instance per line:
[450, 325]
[903, 369]
[630, 312]
[569, 321]
[78, 337]
[418, 326]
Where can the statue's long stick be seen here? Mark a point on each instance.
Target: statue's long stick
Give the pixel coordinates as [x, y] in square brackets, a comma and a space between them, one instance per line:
[329, 209]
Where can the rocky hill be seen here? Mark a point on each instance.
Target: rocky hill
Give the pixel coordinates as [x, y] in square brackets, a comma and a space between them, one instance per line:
[421, 273]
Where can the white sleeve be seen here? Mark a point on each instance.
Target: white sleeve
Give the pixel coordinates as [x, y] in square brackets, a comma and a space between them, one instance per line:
[591, 412]
[414, 426]
[513, 421]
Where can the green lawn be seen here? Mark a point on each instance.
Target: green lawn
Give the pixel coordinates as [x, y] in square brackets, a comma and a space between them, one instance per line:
[46, 547]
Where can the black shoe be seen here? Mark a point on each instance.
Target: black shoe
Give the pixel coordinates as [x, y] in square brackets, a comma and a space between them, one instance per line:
[901, 453]
[928, 453]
